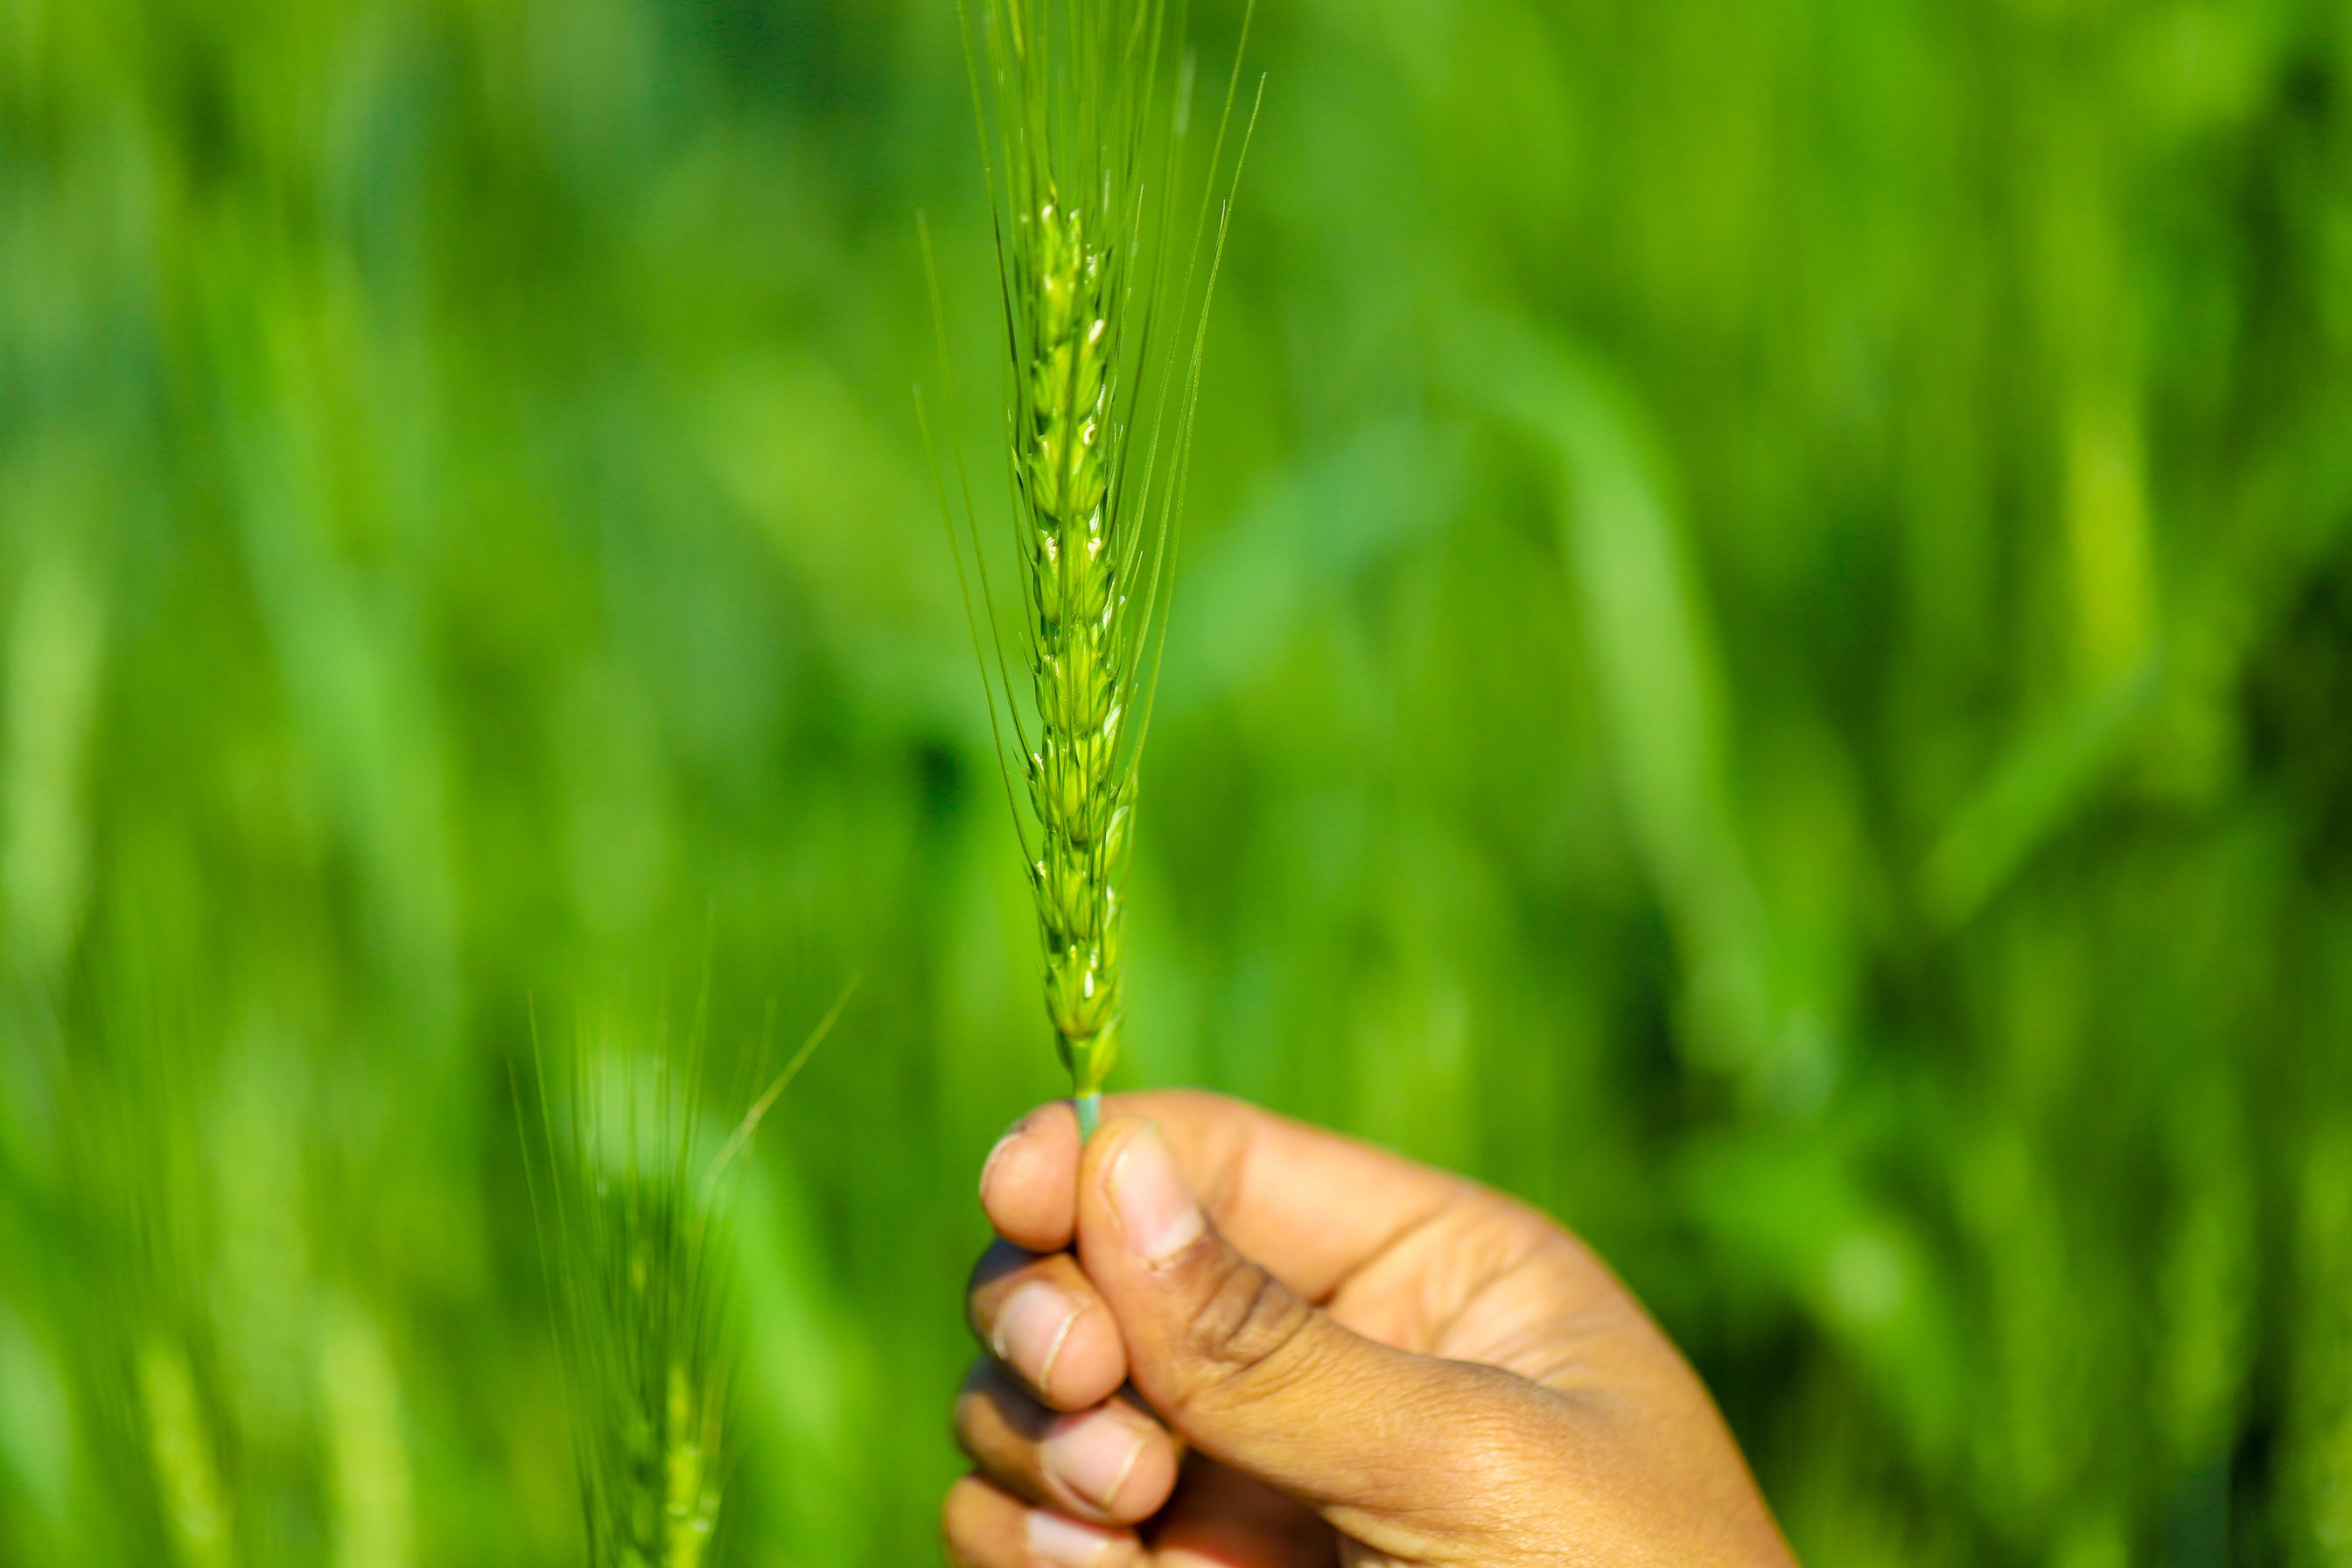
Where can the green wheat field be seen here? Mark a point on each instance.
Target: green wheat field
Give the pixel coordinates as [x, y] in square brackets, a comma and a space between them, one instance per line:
[1761, 654]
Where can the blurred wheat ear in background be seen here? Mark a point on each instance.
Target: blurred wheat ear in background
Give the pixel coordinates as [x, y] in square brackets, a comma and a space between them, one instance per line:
[1106, 291]
[226, 1400]
[631, 1186]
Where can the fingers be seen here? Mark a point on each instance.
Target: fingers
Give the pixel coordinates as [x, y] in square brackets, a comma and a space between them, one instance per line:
[987, 1527]
[1389, 1447]
[1218, 1519]
[1111, 1464]
[1040, 1318]
[1221, 1518]
[1319, 1205]
[1459, 1454]
[1027, 1184]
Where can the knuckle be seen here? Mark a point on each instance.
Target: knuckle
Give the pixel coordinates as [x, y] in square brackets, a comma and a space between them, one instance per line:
[1241, 1320]
[999, 1263]
[963, 1424]
[957, 1524]
[992, 1281]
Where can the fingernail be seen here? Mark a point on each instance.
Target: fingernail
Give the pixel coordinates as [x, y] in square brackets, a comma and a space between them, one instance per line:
[1091, 1455]
[1031, 1329]
[1156, 1209]
[1066, 1542]
[988, 1166]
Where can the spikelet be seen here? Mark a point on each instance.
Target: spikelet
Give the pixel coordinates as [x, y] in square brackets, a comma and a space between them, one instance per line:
[1104, 323]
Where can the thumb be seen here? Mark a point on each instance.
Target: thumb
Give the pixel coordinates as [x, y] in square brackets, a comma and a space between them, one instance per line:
[1385, 1444]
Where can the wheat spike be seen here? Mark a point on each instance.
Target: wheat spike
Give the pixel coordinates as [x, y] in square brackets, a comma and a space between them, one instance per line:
[187, 1475]
[1098, 284]
[1080, 784]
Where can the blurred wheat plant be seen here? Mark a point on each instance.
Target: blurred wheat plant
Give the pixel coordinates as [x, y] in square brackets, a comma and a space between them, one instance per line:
[632, 1212]
[188, 1293]
[1082, 134]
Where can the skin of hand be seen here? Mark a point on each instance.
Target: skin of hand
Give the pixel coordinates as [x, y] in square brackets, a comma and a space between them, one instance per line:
[1218, 1339]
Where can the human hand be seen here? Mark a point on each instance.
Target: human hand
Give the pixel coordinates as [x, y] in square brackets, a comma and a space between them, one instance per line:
[1332, 1354]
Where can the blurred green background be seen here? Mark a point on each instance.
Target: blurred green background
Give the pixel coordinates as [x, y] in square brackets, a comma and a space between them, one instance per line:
[1763, 657]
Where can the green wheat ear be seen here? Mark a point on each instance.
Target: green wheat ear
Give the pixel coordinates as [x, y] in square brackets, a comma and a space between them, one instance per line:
[632, 1212]
[1105, 331]
[187, 1476]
